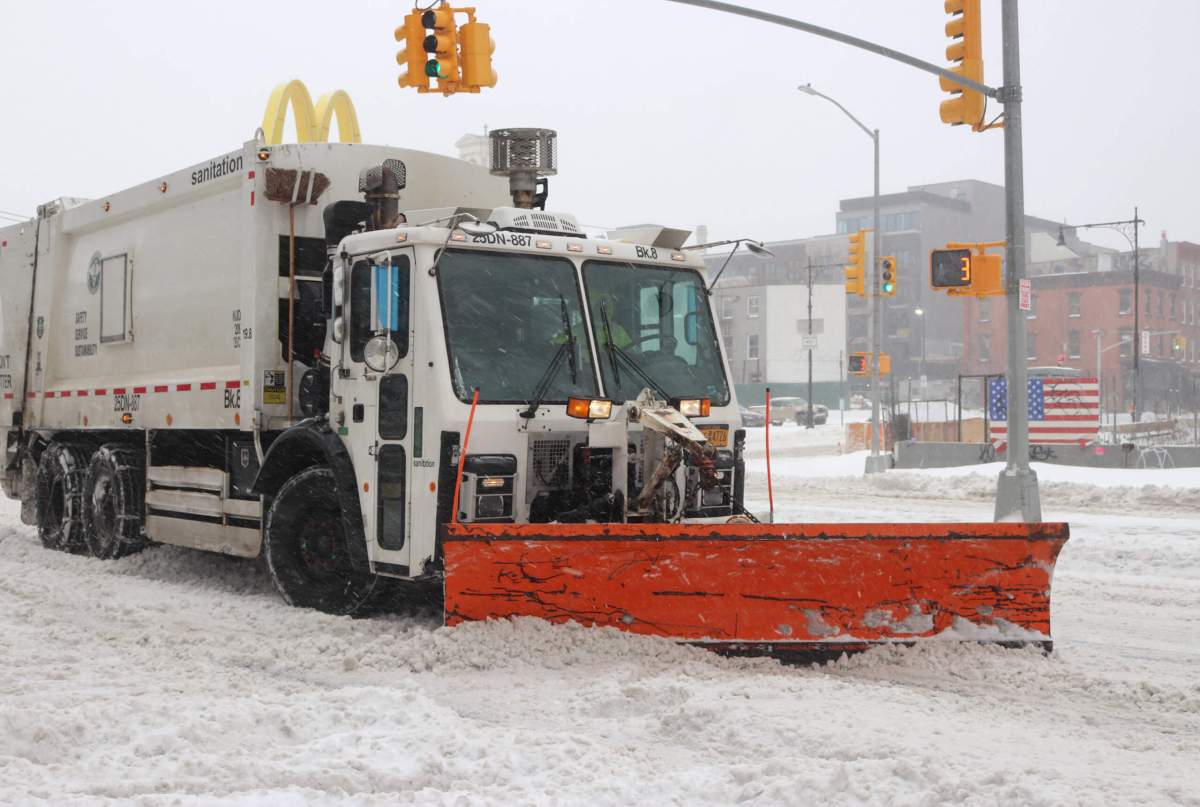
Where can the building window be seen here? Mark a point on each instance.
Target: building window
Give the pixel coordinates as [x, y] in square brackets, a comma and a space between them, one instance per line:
[1174, 305]
[727, 339]
[752, 306]
[1074, 304]
[985, 348]
[1161, 304]
[1149, 307]
[1126, 342]
[1031, 346]
[1032, 312]
[1074, 344]
[726, 308]
[752, 346]
[985, 311]
[1126, 301]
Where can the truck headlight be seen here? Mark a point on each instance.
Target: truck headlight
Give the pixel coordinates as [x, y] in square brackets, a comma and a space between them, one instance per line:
[381, 353]
[695, 407]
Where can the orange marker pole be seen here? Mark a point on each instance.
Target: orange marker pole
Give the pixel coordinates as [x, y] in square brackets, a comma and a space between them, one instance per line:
[462, 457]
[770, 491]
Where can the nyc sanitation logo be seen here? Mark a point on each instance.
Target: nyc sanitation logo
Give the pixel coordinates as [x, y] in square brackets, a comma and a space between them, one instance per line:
[93, 273]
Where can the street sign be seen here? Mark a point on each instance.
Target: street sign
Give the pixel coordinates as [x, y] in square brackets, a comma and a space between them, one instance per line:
[1146, 342]
[1025, 291]
[808, 342]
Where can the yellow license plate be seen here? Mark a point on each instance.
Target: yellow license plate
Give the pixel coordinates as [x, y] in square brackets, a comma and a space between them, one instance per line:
[717, 435]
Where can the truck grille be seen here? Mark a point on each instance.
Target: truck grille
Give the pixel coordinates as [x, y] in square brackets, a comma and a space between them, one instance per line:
[549, 462]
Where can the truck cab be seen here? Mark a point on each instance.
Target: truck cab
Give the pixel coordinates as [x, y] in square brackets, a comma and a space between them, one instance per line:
[539, 341]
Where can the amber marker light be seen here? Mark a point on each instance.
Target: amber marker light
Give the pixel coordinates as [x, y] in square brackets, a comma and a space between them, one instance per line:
[589, 408]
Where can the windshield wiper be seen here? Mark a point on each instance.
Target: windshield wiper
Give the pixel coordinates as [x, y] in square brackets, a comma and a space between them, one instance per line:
[568, 348]
[615, 353]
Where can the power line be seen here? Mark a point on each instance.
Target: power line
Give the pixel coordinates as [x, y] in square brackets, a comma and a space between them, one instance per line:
[14, 216]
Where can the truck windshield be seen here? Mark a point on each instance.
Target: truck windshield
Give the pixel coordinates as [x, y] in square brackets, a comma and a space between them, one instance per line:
[660, 318]
[504, 324]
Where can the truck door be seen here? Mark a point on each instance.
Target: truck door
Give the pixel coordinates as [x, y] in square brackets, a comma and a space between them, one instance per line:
[376, 400]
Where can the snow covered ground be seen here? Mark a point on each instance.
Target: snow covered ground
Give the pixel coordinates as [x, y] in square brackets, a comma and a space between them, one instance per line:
[176, 677]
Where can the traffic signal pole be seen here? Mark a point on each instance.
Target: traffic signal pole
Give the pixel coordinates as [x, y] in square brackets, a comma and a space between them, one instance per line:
[1017, 497]
[876, 462]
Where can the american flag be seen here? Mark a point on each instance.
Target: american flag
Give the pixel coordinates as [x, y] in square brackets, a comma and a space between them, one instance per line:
[1061, 410]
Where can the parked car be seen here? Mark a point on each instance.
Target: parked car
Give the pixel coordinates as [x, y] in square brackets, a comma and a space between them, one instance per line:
[752, 419]
[789, 408]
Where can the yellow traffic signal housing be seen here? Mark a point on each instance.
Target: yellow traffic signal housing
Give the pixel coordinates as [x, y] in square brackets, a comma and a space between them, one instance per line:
[966, 270]
[887, 276]
[477, 46]
[856, 265]
[442, 47]
[859, 364]
[412, 57]
[965, 54]
[1179, 344]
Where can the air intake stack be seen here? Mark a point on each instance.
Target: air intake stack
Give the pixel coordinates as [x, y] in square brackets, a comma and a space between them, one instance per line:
[526, 157]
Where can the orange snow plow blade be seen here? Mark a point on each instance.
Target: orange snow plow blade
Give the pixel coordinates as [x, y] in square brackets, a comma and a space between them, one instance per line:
[763, 589]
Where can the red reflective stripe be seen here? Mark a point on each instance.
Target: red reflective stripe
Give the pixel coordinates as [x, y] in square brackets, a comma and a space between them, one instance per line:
[48, 394]
[81, 393]
[65, 394]
[183, 387]
[252, 198]
[233, 384]
[102, 391]
[161, 387]
[208, 385]
[139, 390]
[32, 395]
[250, 175]
[8, 396]
[118, 390]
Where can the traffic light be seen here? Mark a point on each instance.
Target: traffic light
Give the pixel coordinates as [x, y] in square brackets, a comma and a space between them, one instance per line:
[887, 276]
[412, 57]
[856, 267]
[965, 53]
[441, 44]
[1179, 344]
[859, 364]
[966, 270]
[475, 40]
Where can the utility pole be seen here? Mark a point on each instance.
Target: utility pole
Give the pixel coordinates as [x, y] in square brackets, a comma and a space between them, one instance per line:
[876, 462]
[809, 424]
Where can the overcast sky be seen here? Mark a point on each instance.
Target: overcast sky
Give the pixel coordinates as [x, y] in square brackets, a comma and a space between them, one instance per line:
[665, 113]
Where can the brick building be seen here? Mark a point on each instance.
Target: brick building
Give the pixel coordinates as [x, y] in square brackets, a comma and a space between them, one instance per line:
[1070, 308]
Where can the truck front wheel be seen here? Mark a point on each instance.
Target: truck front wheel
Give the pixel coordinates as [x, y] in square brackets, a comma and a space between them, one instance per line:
[307, 547]
[60, 497]
[112, 502]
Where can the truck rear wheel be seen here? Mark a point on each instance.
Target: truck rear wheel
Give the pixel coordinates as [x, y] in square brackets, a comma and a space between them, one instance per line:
[113, 491]
[60, 497]
[307, 547]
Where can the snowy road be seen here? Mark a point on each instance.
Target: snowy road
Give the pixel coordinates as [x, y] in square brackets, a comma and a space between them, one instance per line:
[175, 677]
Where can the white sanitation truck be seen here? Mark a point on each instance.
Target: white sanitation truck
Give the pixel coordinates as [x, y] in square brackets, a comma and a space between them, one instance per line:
[277, 351]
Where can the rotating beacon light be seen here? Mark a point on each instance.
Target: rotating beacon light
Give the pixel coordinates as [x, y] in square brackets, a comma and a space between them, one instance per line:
[526, 157]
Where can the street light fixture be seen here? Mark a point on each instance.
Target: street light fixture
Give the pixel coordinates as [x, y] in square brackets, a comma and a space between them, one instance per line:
[756, 248]
[876, 463]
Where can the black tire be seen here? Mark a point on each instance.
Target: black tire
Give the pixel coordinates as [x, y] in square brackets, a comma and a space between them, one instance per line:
[60, 497]
[113, 492]
[307, 548]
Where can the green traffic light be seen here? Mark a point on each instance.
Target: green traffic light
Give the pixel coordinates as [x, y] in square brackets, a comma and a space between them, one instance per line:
[889, 287]
[433, 69]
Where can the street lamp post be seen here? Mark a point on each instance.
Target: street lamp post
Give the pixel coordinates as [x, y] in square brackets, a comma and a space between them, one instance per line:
[876, 462]
[920, 314]
[1123, 227]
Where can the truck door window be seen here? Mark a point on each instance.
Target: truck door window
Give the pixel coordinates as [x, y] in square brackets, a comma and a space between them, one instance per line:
[371, 304]
[390, 527]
